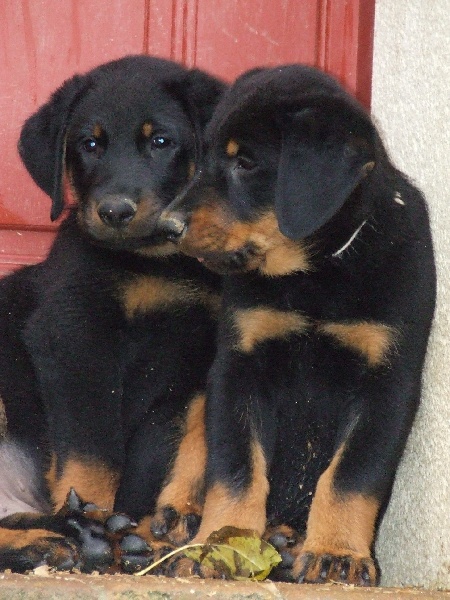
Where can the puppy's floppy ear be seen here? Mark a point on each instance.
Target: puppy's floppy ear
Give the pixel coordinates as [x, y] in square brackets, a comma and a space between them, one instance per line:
[42, 141]
[325, 152]
[202, 93]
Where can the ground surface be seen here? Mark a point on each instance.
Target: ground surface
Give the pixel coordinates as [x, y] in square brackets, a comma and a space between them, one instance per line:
[47, 586]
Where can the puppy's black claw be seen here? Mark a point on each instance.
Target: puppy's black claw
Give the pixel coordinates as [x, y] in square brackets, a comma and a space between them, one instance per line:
[325, 565]
[287, 560]
[278, 540]
[305, 563]
[162, 525]
[97, 555]
[192, 524]
[73, 501]
[89, 507]
[119, 523]
[133, 544]
[345, 569]
[132, 564]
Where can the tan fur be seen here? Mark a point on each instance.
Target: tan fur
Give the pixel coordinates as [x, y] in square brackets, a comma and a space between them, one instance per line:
[186, 477]
[232, 148]
[256, 325]
[246, 511]
[372, 340]
[281, 255]
[340, 524]
[147, 130]
[97, 130]
[145, 294]
[165, 249]
[214, 229]
[92, 480]
[192, 169]
[13, 538]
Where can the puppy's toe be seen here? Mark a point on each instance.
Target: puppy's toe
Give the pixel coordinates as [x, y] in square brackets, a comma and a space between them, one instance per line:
[174, 526]
[289, 543]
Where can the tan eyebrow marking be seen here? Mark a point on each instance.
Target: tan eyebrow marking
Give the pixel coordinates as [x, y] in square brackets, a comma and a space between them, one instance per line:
[147, 129]
[97, 130]
[232, 148]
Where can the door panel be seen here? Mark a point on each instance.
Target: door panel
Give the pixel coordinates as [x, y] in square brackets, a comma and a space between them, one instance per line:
[43, 42]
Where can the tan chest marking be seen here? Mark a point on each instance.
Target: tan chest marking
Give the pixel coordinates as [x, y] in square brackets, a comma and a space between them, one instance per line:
[146, 294]
[370, 339]
[257, 325]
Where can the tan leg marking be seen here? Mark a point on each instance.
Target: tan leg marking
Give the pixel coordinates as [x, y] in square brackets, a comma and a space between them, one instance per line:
[19, 538]
[371, 340]
[340, 524]
[247, 511]
[92, 480]
[257, 325]
[185, 482]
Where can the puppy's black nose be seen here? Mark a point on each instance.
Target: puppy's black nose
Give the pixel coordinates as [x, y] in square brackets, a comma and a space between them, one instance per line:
[116, 213]
[171, 227]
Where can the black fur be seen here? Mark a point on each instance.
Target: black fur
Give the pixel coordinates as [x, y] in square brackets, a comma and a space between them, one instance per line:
[82, 375]
[303, 151]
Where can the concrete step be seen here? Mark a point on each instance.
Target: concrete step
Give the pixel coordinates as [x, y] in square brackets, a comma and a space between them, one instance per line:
[60, 586]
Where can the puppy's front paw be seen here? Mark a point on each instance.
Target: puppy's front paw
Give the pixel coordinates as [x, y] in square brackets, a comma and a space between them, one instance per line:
[320, 567]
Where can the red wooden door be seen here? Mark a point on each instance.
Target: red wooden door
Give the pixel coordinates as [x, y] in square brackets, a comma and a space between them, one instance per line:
[43, 42]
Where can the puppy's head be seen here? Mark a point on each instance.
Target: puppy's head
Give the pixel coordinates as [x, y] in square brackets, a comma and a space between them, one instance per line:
[125, 139]
[287, 149]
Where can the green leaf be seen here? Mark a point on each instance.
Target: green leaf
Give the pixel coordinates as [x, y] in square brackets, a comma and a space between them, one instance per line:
[236, 553]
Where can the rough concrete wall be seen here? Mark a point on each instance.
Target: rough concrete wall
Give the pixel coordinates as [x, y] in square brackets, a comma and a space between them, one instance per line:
[411, 103]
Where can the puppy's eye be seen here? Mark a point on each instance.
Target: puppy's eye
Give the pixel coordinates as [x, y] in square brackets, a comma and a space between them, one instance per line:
[90, 145]
[245, 163]
[158, 142]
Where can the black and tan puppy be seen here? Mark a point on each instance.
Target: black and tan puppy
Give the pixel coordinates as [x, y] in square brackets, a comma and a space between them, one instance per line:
[329, 294]
[106, 342]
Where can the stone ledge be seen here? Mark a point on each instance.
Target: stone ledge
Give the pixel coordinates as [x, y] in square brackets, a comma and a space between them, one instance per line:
[59, 586]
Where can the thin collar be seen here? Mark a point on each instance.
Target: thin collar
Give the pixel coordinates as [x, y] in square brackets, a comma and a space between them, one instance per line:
[339, 252]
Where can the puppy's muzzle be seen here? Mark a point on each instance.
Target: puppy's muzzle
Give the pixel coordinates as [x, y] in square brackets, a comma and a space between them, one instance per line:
[172, 227]
[117, 212]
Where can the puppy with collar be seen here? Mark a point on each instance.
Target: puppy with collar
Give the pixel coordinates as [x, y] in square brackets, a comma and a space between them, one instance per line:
[329, 292]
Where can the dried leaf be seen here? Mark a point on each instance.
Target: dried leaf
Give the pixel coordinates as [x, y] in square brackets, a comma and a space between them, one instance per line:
[237, 554]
